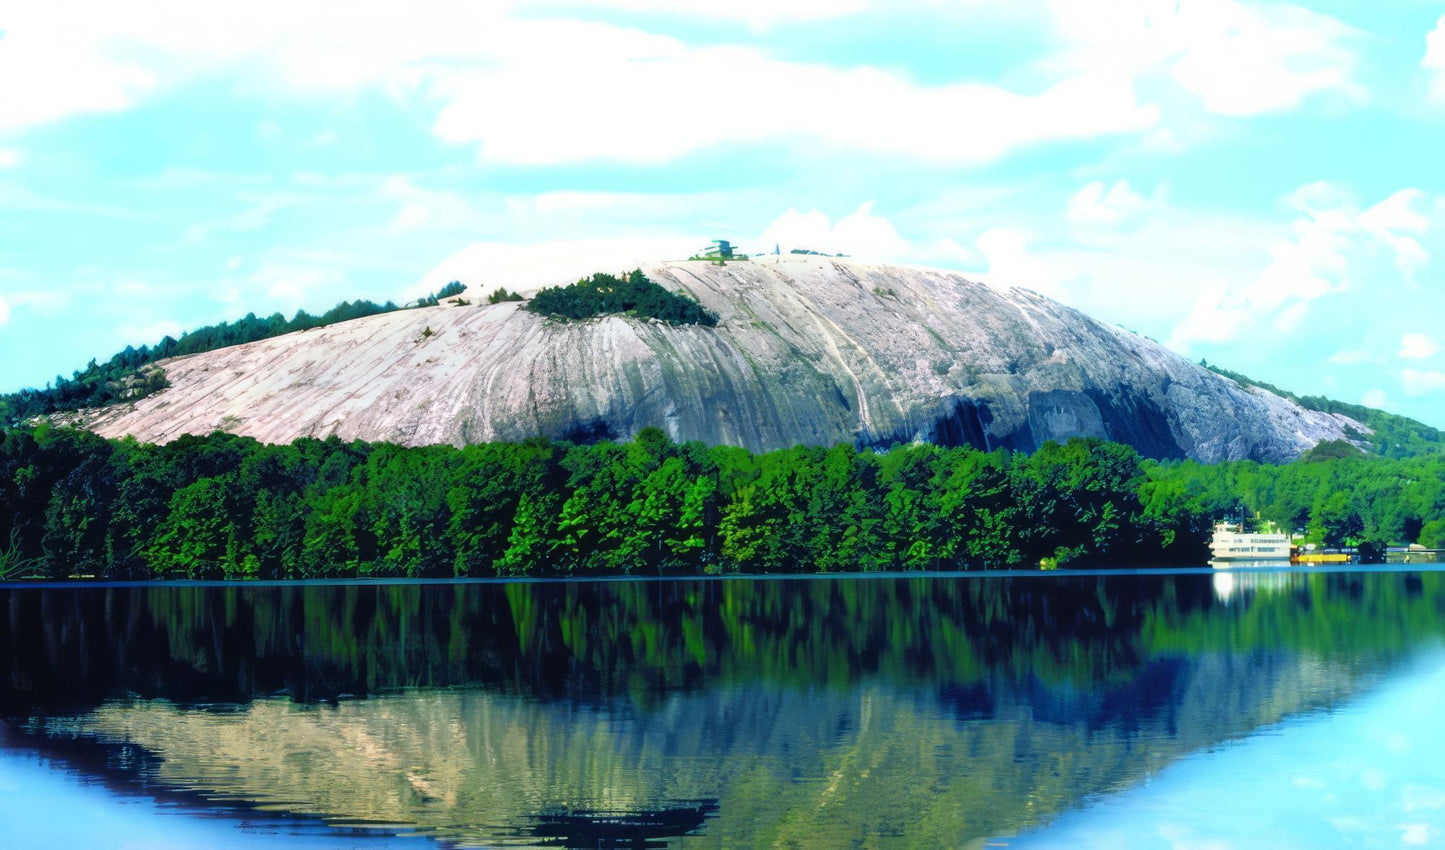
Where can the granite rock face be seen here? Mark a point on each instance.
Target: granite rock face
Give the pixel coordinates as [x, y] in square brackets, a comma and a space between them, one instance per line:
[808, 350]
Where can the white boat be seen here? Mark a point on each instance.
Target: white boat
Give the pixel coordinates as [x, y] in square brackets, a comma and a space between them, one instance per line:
[1231, 544]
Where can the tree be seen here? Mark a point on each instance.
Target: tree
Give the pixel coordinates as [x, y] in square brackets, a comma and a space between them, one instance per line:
[1336, 522]
[501, 294]
[451, 290]
[1432, 535]
[332, 545]
[631, 294]
[198, 538]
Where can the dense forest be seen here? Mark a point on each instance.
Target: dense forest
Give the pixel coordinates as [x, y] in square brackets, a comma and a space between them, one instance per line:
[630, 294]
[128, 375]
[72, 503]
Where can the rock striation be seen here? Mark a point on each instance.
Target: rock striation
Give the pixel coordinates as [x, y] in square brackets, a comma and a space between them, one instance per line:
[808, 350]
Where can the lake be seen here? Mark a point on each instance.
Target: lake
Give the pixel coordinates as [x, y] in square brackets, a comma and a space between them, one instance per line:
[1194, 708]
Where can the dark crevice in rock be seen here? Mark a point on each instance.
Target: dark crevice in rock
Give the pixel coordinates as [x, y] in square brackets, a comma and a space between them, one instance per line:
[1135, 419]
[592, 431]
[962, 422]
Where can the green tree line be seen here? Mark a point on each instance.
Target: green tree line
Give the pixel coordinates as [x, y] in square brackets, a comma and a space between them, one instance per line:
[72, 503]
[630, 293]
[557, 640]
[1333, 495]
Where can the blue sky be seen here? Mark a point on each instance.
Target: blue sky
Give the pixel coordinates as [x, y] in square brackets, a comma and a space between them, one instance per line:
[1258, 184]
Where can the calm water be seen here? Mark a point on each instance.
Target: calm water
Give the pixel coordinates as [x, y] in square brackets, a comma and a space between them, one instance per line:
[1242, 709]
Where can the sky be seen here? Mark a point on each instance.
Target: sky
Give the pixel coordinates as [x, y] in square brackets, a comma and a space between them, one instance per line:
[1256, 184]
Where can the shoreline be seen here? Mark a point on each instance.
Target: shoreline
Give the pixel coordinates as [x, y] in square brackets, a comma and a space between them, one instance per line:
[1322, 569]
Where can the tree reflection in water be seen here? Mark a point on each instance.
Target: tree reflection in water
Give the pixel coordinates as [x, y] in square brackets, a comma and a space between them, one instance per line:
[884, 710]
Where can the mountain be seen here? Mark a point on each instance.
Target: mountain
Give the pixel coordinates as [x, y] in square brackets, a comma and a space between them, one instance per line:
[807, 349]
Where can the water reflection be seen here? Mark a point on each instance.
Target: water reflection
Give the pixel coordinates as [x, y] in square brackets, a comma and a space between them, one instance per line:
[894, 711]
[1365, 775]
[1233, 584]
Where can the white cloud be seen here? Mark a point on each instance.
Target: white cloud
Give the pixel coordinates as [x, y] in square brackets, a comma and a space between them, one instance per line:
[511, 84]
[9, 158]
[436, 210]
[579, 213]
[507, 80]
[294, 284]
[1374, 779]
[1146, 277]
[629, 102]
[1310, 265]
[1376, 398]
[148, 334]
[15, 197]
[1351, 356]
[484, 266]
[1238, 59]
[861, 234]
[1389, 221]
[1418, 382]
[181, 179]
[570, 201]
[132, 289]
[1421, 798]
[1329, 236]
[261, 206]
[410, 216]
[1215, 317]
[4, 311]
[1246, 61]
[1009, 262]
[1195, 278]
[49, 70]
[47, 301]
[1417, 834]
[755, 13]
[1417, 347]
[948, 252]
[1094, 204]
[1433, 62]
[70, 57]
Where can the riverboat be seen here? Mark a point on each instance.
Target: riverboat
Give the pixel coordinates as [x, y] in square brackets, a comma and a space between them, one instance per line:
[1232, 544]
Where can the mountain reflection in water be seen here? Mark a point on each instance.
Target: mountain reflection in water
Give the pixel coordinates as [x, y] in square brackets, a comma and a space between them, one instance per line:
[889, 711]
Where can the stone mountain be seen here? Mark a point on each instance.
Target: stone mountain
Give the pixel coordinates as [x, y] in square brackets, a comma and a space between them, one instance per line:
[808, 350]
